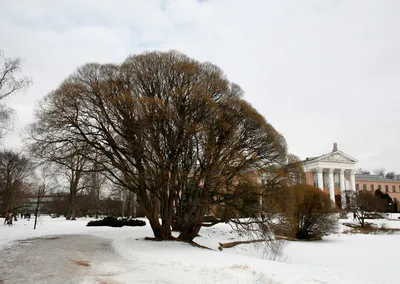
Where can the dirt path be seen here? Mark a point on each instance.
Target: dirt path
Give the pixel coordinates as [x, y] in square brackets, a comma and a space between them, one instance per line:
[59, 259]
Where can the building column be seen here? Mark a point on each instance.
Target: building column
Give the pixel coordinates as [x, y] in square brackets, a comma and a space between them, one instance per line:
[342, 189]
[320, 179]
[353, 180]
[331, 187]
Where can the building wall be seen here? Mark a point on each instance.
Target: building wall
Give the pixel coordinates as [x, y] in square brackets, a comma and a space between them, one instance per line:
[310, 178]
[383, 184]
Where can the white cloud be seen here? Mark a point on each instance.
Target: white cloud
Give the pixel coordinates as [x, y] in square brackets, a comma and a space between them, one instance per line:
[319, 71]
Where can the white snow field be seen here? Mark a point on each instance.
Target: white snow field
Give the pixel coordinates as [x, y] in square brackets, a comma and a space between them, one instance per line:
[121, 255]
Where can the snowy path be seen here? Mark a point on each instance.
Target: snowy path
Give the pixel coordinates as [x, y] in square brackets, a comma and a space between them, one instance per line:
[60, 259]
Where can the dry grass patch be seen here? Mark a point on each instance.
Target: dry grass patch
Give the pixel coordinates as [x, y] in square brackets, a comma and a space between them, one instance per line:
[370, 228]
[107, 281]
[240, 266]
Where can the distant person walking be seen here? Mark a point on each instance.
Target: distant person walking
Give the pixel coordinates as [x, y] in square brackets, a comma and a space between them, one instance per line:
[8, 220]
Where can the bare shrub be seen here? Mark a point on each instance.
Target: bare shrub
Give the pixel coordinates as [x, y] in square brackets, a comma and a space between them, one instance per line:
[308, 213]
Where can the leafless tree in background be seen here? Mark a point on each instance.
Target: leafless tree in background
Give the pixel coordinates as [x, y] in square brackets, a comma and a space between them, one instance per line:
[9, 84]
[380, 172]
[16, 179]
[46, 185]
[363, 202]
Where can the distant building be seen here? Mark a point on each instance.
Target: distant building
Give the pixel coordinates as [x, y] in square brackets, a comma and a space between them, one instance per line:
[334, 173]
[374, 182]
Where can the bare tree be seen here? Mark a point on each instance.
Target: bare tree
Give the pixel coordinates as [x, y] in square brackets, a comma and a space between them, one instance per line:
[69, 158]
[8, 82]
[46, 184]
[361, 171]
[73, 170]
[172, 130]
[68, 163]
[8, 85]
[390, 175]
[363, 202]
[93, 181]
[380, 172]
[16, 177]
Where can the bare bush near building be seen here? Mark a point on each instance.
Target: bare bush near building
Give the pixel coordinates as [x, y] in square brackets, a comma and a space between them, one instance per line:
[172, 130]
[266, 201]
[287, 207]
[308, 214]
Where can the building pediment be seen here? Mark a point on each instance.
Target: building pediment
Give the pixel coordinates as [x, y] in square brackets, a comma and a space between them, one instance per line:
[338, 157]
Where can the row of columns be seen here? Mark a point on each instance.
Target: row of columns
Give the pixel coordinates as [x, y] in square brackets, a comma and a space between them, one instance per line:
[332, 184]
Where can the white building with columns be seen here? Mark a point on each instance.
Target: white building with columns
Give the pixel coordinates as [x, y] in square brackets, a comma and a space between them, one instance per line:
[333, 173]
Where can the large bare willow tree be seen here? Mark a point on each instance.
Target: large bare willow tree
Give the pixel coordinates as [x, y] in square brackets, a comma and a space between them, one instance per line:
[171, 129]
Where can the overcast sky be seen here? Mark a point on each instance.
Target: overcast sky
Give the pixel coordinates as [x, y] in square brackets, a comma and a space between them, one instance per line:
[319, 71]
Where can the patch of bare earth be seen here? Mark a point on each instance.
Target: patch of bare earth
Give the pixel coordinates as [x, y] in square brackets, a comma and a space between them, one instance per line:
[81, 262]
[107, 281]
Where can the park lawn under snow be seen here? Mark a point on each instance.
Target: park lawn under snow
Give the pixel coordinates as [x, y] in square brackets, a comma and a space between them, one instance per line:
[339, 258]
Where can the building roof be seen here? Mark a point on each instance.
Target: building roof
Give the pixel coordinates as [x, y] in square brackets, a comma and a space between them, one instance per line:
[336, 156]
[367, 177]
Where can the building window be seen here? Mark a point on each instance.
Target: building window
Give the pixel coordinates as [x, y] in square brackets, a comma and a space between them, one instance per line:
[326, 180]
[393, 188]
[386, 188]
[316, 179]
[364, 187]
[357, 186]
[336, 179]
[379, 187]
[372, 187]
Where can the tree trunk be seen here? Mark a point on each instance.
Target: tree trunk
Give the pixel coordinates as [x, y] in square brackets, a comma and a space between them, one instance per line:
[160, 231]
[190, 229]
[189, 235]
[72, 203]
[123, 202]
[37, 209]
[134, 204]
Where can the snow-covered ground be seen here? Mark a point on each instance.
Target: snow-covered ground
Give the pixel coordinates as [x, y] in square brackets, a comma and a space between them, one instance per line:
[339, 258]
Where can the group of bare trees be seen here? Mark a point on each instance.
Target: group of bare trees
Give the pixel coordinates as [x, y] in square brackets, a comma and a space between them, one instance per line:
[380, 172]
[16, 179]
[15, 168]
